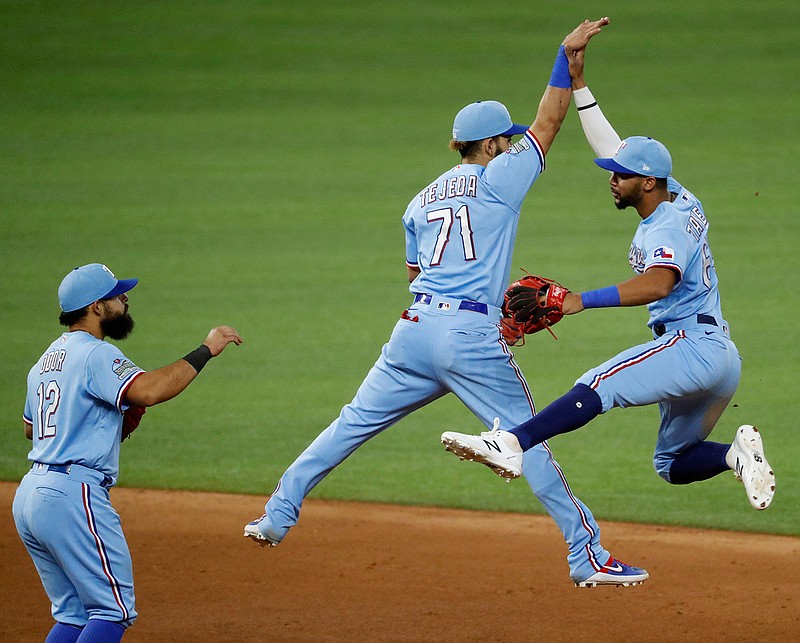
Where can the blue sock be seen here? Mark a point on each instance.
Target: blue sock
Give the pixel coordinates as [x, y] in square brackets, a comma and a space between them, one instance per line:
[63, 633]
[700, 462]
[569, 412]
[97, 631]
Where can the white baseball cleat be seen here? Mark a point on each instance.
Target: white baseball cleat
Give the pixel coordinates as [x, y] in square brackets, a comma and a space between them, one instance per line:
[746, 458]
[251, 531]
[498, 450]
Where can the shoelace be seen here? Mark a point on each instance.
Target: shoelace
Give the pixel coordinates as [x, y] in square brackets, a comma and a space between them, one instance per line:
[495, 428]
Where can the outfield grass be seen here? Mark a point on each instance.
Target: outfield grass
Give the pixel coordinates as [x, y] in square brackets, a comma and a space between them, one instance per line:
[250, 162]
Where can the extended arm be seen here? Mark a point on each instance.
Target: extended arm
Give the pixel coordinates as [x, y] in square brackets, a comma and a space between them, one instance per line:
[165, 383]
[600, 134]
[555, 101]
[652, 285]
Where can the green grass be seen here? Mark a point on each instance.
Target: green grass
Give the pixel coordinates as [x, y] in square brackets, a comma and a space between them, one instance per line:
[250, 162]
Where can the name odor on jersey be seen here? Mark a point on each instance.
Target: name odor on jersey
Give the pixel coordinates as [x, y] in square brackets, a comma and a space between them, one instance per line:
[53, 361]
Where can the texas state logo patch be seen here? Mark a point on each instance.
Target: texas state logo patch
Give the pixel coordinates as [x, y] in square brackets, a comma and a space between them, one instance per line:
[663, 253]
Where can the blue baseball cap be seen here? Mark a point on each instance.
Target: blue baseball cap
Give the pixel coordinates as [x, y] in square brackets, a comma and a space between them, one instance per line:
[87, 284]
[484, 119]
[639, 155]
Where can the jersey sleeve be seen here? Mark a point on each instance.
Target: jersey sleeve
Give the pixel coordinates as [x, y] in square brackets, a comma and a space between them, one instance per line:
[512, 174]
[666, 248]
[27, 413]
[109, 374]
[412, 250]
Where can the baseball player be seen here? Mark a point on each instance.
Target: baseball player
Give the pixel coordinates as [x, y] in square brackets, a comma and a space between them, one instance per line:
[460, 232]
[83, 396]
[691, 368]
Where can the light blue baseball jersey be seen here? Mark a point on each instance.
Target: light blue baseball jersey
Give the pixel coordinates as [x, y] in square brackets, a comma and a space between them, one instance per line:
[75, 402]
[460, 233]
[692, 368]
[460, 230]
[675, 236]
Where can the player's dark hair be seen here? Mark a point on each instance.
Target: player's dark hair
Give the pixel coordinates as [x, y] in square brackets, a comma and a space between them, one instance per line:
[469, 148]
[73, 317]
[661, 184]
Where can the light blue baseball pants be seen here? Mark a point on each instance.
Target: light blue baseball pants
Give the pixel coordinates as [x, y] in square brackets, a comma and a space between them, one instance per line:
[75, 539]
[436, 349]
[692, 373]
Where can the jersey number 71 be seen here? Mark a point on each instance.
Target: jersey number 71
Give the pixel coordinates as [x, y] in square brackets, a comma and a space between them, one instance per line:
[445, 215]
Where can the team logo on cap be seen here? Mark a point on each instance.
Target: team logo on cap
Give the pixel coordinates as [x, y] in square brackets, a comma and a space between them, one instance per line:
[105, 267]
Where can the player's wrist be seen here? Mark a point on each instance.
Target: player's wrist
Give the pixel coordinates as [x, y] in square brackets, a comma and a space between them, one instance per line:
[199, 357]
[601, 298]
[560, 75]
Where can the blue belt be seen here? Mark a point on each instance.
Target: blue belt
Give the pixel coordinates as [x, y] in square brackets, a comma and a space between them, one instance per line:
[466, 304]
[66, 469]
[660, 328]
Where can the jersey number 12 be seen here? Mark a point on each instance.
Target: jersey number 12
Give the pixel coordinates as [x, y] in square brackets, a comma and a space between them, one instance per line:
[49, 398]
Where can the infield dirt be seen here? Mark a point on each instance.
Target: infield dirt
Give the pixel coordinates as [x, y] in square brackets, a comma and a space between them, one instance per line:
[368, 572]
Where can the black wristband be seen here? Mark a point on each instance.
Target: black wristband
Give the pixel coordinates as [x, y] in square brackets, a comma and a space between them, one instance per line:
[198, 357]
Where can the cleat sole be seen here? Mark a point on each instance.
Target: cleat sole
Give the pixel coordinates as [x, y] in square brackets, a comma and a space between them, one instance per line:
[465, 452]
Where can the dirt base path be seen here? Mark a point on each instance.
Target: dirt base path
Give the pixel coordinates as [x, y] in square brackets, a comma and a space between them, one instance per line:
[364, 572]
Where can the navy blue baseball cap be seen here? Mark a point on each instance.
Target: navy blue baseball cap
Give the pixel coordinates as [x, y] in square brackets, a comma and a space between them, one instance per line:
[639, 155]
[87, 284]
[484, 119]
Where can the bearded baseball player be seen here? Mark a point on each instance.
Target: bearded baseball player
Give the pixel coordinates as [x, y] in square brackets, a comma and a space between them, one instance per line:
[460, 232]
[84, 396]
[690, 369]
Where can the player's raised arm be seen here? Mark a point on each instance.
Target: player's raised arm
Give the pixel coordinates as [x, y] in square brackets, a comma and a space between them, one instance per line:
[555, 101]
[600, 134]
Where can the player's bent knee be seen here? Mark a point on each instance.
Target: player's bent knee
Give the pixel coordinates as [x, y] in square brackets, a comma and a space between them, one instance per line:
[662, 467]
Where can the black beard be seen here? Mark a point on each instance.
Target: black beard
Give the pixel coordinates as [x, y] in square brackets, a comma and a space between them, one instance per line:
[623, 203]
[117, 327]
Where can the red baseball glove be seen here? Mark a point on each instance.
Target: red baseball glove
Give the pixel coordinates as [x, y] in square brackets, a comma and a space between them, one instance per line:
[511, 332]
[534, 303]
[130, 419]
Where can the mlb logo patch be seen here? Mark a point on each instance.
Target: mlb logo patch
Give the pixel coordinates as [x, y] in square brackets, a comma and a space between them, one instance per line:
[443, 305]
[663, 253]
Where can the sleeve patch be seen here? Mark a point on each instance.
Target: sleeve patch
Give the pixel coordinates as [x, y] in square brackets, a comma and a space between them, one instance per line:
[663, 252]
[123, 368]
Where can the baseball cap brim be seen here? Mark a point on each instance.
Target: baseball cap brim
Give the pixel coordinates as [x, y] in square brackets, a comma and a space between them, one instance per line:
[515, 129]
[612, 166]
[123, 285]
